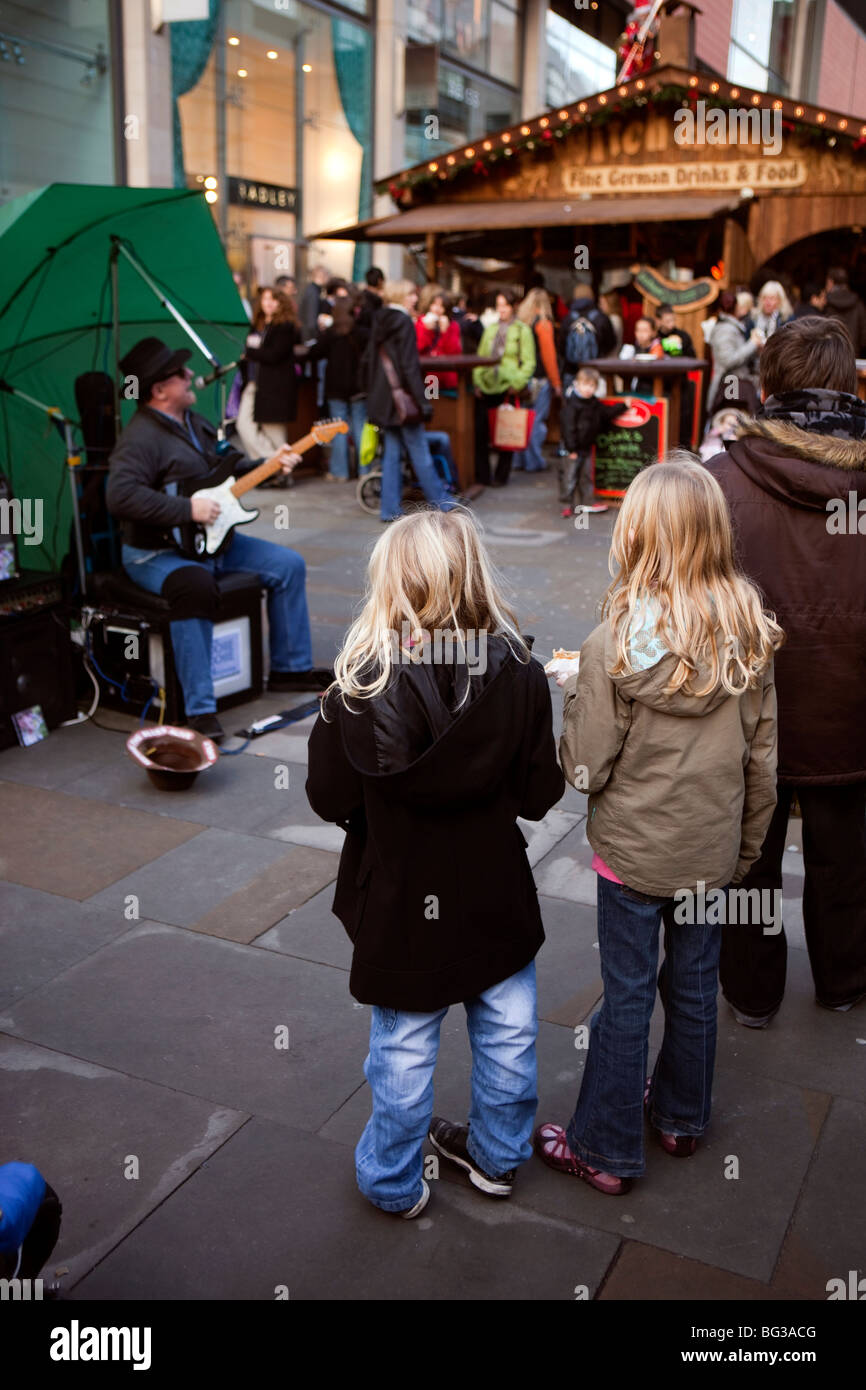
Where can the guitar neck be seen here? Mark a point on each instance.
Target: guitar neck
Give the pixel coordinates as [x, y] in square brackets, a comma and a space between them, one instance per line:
[269, 467]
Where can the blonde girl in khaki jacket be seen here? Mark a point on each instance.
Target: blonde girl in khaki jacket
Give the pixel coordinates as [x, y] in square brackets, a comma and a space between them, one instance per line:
[670, 725]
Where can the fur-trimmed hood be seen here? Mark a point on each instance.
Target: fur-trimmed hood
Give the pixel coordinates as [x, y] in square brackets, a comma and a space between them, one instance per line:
[800, 441]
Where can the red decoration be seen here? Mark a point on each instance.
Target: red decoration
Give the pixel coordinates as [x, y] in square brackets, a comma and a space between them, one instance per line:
[547, 135]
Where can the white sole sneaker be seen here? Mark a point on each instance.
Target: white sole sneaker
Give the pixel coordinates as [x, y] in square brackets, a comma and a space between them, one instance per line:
[491, 1186]
[419, 1205]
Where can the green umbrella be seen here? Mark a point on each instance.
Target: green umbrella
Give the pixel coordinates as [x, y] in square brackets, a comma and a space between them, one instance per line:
[56, 317]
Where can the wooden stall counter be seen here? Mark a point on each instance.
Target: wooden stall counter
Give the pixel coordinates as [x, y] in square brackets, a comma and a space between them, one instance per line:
[455, 412]
[658, 371]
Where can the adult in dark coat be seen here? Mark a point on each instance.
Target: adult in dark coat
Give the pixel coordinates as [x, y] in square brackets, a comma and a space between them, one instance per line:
[341, 348]
[166, 453]
[393, 341]
[370, 303]
[795, 480]
[269, 401]
[848, 307]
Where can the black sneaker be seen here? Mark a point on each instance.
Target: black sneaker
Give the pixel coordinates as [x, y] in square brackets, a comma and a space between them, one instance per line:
[450, 1141]
[318, 678]
[207, 724]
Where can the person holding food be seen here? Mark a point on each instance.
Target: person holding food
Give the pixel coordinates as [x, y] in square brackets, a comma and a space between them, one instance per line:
[670, 727]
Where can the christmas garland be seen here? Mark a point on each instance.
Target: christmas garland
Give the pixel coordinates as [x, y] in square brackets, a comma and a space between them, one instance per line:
[417, 184]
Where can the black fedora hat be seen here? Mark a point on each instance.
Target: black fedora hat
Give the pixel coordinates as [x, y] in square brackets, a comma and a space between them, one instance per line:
[150, 361]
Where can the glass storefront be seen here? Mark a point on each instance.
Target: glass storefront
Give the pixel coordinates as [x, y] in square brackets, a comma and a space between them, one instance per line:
[281, 118]
[761, 49]
[55, 95]
[577, 64]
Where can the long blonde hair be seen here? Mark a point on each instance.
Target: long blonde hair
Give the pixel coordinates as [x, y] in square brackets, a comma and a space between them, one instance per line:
[672, 544]
[773, 287]
[535, 305]
[429, 572]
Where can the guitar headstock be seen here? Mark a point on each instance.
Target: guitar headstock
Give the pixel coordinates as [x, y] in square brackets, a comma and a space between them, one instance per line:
[323, 431]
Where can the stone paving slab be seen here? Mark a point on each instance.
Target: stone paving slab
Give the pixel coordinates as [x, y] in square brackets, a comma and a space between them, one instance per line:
[183, 885]
[645, 1272]
[63, 756]
[827, 1238]
[269, 896]
[313, 933]
[66, 845]
[41, 934]
[238, 793]
[80, 1124]
[300, 1223]
[200, 1015]
[805, 1045]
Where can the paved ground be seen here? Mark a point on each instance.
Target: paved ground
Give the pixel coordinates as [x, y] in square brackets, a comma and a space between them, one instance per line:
[197, 1159]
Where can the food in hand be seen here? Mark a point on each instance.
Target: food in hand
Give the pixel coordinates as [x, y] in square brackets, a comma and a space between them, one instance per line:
[563, 663]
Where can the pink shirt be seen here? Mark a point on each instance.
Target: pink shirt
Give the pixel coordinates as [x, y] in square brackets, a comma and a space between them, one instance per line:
[601, 868]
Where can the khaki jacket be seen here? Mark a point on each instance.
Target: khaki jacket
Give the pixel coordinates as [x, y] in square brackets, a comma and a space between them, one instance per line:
[681, 787]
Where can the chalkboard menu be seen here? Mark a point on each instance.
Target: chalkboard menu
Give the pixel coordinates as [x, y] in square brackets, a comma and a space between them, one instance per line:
[638, 437]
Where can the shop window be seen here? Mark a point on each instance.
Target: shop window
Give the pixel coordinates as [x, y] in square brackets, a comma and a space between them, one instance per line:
[577, 64]
[760, 54]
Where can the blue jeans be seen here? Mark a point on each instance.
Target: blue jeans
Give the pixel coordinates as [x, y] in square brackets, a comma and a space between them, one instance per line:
[440, 444]
[503, 1025]
[607, 1130]
[282, 572]
[356, 414]
[415, 441]
[531, 459]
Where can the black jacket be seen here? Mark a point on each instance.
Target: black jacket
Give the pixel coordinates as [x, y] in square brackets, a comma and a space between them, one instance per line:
[152, 454]
[804, 450]
[276, 374]
[368, 308]
[342, 353]
[581, 421]
[434, 888]
[395, 331]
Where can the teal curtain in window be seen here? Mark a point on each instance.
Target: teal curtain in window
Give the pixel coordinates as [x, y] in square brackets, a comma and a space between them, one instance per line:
[191, 43]
[352, 65]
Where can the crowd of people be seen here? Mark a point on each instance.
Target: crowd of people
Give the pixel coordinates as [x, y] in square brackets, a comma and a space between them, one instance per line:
[541, 345]
[726, 678]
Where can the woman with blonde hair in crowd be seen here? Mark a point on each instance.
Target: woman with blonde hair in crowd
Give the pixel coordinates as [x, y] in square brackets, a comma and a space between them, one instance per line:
[396, 399]
[774, 309]
[536, 311]
[434, 738]
[671, 724]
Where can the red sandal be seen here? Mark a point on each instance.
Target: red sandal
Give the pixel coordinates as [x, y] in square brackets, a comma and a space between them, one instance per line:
[679, 1145]
[552, 1148]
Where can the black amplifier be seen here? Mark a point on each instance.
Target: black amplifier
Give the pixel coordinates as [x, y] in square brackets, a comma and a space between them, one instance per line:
[30, 591]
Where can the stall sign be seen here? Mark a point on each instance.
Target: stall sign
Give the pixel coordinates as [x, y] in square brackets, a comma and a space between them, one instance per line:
[638, 437]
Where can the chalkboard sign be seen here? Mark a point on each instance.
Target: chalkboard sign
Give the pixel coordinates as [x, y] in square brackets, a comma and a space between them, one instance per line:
[639, 437]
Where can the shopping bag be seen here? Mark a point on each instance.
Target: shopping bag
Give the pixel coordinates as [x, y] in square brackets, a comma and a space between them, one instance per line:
[510, 426]
[369, 445]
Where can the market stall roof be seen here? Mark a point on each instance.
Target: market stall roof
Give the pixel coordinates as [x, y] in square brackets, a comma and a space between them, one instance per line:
[499, 216]
[422, 189]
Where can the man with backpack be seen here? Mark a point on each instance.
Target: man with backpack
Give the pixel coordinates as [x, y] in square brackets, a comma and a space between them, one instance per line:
[587, 332]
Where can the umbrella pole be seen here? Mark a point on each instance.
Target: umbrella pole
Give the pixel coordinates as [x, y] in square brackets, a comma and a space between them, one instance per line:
[118, 248]
[72, 461]
[115, 322]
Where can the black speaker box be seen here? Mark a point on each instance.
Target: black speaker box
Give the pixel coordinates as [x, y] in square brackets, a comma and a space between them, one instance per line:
[36, 668]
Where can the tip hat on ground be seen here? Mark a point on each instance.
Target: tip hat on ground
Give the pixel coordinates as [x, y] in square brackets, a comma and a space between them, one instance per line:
[172, 756]
[150, 361]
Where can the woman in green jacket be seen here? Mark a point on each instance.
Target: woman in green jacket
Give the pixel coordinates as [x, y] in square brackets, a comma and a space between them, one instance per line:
[512, 342]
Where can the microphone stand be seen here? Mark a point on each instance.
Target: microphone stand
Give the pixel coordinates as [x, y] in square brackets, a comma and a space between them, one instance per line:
[73, 459]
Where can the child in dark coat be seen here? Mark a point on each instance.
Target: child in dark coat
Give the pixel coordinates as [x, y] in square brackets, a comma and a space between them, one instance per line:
[582, 420]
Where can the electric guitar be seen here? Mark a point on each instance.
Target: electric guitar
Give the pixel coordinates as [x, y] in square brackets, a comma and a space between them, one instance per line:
[200, 538]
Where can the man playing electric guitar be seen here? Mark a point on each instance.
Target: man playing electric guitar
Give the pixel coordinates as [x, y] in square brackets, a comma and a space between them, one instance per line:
[165, 447]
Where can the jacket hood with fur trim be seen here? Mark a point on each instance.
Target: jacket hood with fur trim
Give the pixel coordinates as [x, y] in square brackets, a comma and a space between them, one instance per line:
[799, 443]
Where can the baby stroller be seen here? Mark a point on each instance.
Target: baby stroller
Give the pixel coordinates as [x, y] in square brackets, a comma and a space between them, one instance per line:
[369, 490]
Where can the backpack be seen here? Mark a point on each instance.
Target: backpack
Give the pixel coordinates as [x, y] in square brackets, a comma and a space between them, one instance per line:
[581, 343]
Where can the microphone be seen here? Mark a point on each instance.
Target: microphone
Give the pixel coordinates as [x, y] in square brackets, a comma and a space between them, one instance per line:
[215, 375]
